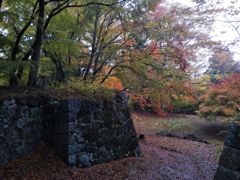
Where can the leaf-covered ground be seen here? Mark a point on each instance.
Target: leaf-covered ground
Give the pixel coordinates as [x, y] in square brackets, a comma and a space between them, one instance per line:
[164, 158]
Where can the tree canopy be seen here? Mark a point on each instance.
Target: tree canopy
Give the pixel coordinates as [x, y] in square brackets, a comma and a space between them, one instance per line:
[148, 47]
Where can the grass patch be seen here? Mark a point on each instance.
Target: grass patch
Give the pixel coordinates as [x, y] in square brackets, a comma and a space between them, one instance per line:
[177, 124]
[156, 124]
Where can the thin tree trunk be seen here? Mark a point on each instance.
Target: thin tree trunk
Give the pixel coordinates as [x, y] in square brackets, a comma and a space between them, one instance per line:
[60, 74]
[96, 62]
[93, 50]
[1, 2]
[13, 78]
[69, 57]
[32, 78]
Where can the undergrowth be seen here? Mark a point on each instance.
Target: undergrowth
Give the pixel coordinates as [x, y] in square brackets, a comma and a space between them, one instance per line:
[68, 90]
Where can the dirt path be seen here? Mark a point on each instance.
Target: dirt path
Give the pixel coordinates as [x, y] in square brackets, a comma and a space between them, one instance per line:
[171, 158]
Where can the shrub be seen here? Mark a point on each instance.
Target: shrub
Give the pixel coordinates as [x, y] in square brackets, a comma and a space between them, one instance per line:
[222, 99]
[185, 107]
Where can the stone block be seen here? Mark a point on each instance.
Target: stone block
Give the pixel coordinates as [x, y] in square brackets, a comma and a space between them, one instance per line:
[77, 138]
[35, 111]
[85, 159]
[21, 123]
[232, 138]
[72, 159]
[74, 104]
[72, 149]
[230, 158]
[71, 126]
[9, 102]
[223, 173]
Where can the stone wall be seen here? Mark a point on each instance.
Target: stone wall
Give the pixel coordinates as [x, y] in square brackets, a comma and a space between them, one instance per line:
[229, 163]
[81, 132]
[20, 127]
[85, 133]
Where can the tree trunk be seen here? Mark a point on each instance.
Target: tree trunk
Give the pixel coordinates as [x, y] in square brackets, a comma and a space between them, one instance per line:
[13, 80]
[69, 57]
[60, 74]
[32, 78]
[1, 1]
[93, 50]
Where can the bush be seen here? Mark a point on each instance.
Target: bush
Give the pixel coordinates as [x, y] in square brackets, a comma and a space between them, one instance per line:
[221, 99]
[185, 107]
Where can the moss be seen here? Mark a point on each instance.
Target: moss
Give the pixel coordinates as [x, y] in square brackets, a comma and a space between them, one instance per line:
[70, 90]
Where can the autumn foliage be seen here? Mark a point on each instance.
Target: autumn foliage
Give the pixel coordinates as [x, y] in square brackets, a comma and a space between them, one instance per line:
[222, 99]
[171, 97]
[113, 83]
